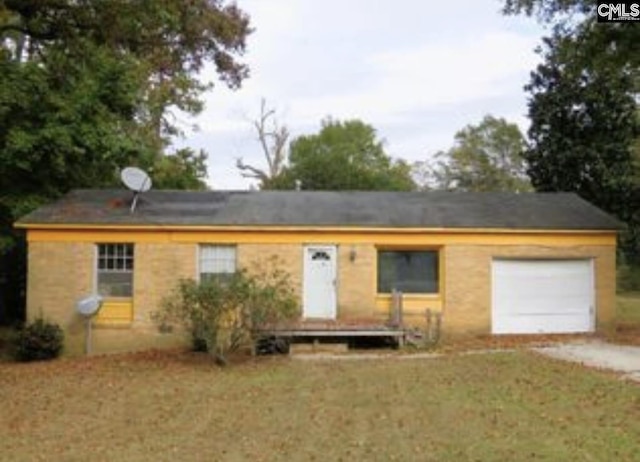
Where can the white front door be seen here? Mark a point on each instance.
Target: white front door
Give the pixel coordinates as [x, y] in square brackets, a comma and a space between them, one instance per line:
[542, 296]
[319, 286]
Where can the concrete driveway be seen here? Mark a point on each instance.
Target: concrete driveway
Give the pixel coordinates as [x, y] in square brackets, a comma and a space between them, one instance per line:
[619, 358]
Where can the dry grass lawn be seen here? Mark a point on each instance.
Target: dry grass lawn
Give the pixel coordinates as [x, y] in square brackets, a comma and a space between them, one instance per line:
[178, 406]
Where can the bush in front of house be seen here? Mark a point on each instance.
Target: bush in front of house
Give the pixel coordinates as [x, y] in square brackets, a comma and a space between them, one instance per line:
[225, 314]
[38, 340]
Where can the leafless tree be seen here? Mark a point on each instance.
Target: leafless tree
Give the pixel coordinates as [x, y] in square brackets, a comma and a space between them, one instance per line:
[273, 139]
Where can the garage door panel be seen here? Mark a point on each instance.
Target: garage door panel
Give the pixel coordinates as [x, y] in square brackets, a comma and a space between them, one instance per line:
[551, 308]
[547, 324]
[542, 296]
[533, 302]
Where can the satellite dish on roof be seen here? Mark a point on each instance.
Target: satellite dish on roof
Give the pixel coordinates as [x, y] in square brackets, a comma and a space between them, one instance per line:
[136, 179]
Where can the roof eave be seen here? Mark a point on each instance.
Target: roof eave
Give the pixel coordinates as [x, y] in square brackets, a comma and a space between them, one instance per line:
[307, 228]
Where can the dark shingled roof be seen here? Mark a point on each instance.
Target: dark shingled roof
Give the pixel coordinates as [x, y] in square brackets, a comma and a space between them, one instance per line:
[326, 208]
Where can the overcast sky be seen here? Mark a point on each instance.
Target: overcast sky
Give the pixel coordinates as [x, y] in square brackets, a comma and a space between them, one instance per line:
[417, 70]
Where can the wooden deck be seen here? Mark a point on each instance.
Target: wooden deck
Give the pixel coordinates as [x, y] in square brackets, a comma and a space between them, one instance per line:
[360, 328]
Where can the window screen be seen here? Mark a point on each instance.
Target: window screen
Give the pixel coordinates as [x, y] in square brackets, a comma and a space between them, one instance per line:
[217, 262]
[115, 270]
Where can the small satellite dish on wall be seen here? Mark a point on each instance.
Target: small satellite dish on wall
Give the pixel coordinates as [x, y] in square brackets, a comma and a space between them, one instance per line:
[88, 307]
[137, 181]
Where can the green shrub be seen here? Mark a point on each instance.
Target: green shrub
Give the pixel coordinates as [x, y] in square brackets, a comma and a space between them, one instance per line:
[38, 340]
[223, 315]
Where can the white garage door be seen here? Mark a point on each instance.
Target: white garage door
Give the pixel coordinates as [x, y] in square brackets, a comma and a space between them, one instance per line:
[542, 296]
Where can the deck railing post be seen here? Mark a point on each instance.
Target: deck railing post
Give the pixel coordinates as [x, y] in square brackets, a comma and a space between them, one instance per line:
[396, 308]
[434, 324]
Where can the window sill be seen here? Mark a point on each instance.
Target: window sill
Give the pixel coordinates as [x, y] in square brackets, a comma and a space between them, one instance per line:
[115, 313]
[409, 296]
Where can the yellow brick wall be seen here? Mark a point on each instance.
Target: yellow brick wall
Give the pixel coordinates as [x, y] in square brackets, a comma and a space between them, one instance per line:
[356, 281]
[467, 302]
[59, 274]
[62, 272]
[356, 277]
[157, 269]
[465, 297]
[284, 257]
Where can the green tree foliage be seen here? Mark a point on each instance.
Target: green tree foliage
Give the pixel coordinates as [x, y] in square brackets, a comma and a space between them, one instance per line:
[585, 120]
[88, 87]
[222, 316]
[342, 156]
[171, 40]
[64, 126]
[583, 126]
[485, 157]
[184, 169]
[549, 10]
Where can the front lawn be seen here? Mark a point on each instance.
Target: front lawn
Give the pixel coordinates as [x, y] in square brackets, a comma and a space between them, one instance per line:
[171, 406]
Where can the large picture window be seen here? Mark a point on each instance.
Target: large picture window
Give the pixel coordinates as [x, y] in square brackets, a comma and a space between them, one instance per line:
[217, 262]
[409, 271]
[115, 270]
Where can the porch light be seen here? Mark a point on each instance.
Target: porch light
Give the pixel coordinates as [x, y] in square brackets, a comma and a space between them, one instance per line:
[352, 254]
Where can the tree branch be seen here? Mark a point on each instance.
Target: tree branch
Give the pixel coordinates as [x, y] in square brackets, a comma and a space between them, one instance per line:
[273, 140]
[248, 171]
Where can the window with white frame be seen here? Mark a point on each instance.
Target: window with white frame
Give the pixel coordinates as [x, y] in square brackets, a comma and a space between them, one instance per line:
[115, 270]
[217, 262]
